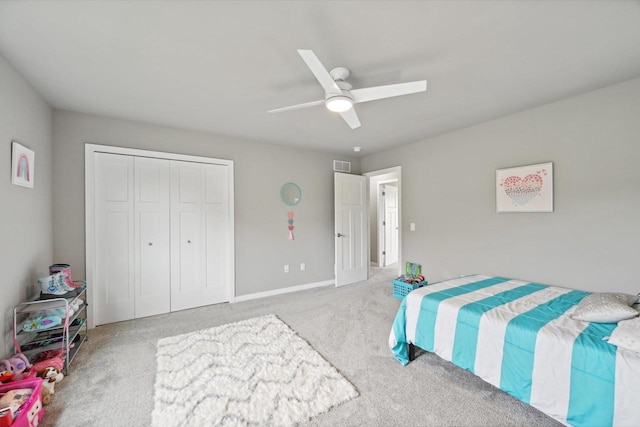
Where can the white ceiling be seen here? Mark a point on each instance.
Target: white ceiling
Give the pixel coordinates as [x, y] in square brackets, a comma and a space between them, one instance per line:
[219, 66]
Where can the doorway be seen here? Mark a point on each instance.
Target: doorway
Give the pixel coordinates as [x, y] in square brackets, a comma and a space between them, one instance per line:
[385, 217]
[388, 223]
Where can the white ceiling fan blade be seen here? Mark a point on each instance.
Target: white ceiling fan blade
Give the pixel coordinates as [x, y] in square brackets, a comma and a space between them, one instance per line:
[351, 118]
[319, 71]
[388, 91]
[297, 107]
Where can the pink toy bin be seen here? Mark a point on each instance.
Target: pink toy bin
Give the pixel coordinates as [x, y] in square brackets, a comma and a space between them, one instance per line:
[32, 410]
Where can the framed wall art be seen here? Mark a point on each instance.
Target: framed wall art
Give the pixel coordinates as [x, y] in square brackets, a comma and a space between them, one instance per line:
[525, 188]
[22, 165]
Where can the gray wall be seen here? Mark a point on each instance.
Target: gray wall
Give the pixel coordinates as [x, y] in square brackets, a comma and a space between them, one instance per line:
[261, 233]
[592, 239]
[448, 183]
[25, 217]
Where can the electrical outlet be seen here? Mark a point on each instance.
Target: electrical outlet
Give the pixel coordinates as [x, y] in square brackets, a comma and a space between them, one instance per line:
[412, 226]
[302, 267]
[286, 268]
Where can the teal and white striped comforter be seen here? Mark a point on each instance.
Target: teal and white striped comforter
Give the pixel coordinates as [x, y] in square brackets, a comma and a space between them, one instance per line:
[519, 337]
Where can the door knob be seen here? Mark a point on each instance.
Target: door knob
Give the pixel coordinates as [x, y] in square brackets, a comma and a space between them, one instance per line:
[188, 241]
[150, 244]
[342, 235]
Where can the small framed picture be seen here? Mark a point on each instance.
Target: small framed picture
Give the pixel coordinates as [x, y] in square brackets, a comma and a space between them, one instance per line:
[22, 165]
[525, 188]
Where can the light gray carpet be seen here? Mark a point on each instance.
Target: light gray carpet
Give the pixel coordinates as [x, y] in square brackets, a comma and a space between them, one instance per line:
[111, 381]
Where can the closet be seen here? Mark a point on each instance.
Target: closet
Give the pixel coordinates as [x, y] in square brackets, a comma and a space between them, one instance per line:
[162, 233]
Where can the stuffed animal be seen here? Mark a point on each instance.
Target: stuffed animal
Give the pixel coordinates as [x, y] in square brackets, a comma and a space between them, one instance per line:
[50, 376]
[17, 365]
[5, 376]
[46, 395]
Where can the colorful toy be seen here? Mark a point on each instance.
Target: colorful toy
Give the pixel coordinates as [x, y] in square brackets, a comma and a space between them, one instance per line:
[41, 323]
[65, 269]
[17, 365]
[6, 376]
[50, 376]
[45, 396]
[54, 285]
[412, 269]
[51, 318]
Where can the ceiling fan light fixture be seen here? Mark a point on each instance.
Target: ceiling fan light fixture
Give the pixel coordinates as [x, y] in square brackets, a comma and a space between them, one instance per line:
[339, 103]
[339, 96]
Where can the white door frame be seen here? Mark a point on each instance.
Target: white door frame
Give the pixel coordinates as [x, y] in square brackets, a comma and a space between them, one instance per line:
[381, 218]
[89, 207]
[398, 171]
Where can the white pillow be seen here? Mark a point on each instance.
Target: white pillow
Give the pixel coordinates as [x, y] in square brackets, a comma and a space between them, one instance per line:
[627, 335]
[606, 307]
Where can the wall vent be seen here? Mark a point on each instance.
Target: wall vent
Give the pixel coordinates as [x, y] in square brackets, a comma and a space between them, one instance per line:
[341, 166]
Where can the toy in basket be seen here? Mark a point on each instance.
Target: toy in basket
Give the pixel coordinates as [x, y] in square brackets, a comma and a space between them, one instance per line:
[23, 400]
[412, 269]
[411, 280]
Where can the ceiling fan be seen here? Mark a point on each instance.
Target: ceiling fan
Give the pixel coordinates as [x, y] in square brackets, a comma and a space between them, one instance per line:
[338, 95]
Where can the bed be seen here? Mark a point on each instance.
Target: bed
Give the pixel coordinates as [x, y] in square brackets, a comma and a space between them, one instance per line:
[519, 336]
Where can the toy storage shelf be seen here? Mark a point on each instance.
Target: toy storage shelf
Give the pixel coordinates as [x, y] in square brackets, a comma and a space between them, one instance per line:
[70, 337]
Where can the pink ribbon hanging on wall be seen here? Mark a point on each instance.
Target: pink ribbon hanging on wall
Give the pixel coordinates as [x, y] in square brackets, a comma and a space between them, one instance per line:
[290, 216]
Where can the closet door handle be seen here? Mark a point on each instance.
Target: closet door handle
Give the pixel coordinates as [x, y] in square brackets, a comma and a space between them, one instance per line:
[188, 241]
[150, 244]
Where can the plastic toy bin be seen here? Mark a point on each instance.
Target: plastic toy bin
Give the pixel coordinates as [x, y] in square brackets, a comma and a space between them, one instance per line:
[401, 289]
[31, 411]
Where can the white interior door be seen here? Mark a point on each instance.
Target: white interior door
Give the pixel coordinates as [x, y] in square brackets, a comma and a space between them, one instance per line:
[114, 238]
[187, 240]
[351, 228]
[217, 223]
[390, 224]
[152, 237]
[200, 259]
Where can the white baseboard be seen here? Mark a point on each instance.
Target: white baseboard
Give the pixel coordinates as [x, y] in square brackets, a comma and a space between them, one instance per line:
[283, 291]
[374, 264]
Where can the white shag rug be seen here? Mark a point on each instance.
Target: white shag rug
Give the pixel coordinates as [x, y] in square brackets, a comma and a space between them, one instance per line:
[254, 372]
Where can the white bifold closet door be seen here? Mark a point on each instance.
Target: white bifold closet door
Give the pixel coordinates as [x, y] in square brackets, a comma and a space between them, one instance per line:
[161, 236]
[152, 242]
[114, 248]
[199, 224]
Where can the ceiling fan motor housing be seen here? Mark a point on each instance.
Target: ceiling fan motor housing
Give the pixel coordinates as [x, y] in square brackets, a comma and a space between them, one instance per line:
[339, 73]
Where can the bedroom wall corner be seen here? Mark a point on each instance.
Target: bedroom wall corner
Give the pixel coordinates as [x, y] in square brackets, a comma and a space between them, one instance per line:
[26, 218]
